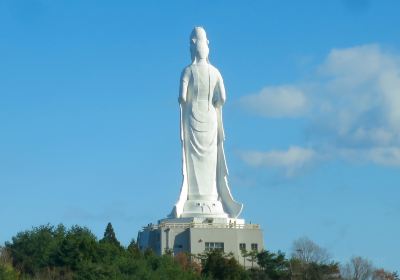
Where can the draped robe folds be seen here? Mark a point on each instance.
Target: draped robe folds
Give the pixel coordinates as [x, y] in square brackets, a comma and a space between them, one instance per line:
[203, 160]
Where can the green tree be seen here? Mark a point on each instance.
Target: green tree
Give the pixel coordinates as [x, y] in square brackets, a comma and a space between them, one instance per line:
[244, 254]
[79, 247]
[7, 271]
[48, 252]
[218, 266]
[133, 249]
[34, 250]
[252, 257]
[109, 236]
[318, 271]
[301, 270]
[275, 266]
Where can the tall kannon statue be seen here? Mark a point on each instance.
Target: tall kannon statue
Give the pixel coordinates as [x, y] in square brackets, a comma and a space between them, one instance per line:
[206, 216]
[205, 191]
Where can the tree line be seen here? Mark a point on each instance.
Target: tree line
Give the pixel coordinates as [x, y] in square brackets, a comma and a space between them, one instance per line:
[56, 252]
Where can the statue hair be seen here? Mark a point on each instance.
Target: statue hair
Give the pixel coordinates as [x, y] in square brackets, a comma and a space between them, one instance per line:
[198, 33]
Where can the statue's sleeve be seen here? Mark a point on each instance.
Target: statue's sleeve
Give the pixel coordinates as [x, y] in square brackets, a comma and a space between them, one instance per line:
[220, 95]
[184, 82]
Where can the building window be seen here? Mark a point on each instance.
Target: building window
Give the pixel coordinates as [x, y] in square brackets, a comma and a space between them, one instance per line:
[254, 246]
[242, 246]
[218, 246]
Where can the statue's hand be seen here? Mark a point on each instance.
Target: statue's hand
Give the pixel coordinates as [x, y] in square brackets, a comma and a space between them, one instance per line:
[181, 100]
[217, 102]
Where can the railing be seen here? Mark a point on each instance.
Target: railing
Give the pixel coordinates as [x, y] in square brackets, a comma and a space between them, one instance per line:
[202, 225]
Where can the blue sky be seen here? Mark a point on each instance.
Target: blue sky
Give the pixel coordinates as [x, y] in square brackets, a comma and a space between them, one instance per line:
[90, 123]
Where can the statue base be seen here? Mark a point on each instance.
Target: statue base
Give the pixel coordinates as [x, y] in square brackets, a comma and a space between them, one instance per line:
[196, 221]
[196, 235]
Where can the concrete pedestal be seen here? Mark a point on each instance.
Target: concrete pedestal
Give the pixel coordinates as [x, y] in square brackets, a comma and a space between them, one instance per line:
[197, 235]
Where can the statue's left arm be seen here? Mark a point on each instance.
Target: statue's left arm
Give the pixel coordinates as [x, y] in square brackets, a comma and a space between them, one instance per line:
[220, 98]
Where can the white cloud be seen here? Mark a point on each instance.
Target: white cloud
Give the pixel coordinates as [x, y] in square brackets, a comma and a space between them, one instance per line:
[387, 156]
[282, 101]
[353, 108]
[390, 85]
[362, 87]
[291, 160]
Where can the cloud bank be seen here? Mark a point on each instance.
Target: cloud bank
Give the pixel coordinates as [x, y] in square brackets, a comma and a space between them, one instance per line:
[352, 109]
[292, 160]
[282, 101]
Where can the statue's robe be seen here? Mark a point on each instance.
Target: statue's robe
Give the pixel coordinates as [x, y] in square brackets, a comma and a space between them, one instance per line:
[203, 160]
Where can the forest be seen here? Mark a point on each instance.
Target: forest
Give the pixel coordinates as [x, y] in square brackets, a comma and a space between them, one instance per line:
[57, 252]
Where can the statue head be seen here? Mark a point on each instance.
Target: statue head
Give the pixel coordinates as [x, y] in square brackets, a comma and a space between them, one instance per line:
[199, 44]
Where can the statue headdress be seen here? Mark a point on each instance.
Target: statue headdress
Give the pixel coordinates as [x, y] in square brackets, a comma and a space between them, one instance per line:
[198, 37]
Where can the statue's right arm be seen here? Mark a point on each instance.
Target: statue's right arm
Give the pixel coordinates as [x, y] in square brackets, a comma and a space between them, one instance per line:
[183, 88]
[183, 91]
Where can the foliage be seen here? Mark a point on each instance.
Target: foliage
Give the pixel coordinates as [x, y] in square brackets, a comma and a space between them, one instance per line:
[252, 257]
[49, 252]
[316, 271]
[218, 266]
[188, 262]
[133, 249]
[275, 266]
[381, 274]
[109, 236]
[36, 249]
[313, 271]
[7, 271]
[359, 268]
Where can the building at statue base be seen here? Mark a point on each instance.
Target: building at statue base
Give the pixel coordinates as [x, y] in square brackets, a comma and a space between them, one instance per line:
[199, 235]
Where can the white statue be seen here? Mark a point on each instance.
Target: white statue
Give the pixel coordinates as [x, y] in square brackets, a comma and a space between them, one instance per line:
[205, 191]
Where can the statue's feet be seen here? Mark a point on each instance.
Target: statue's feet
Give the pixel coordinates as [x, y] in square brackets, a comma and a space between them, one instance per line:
[201, 208]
